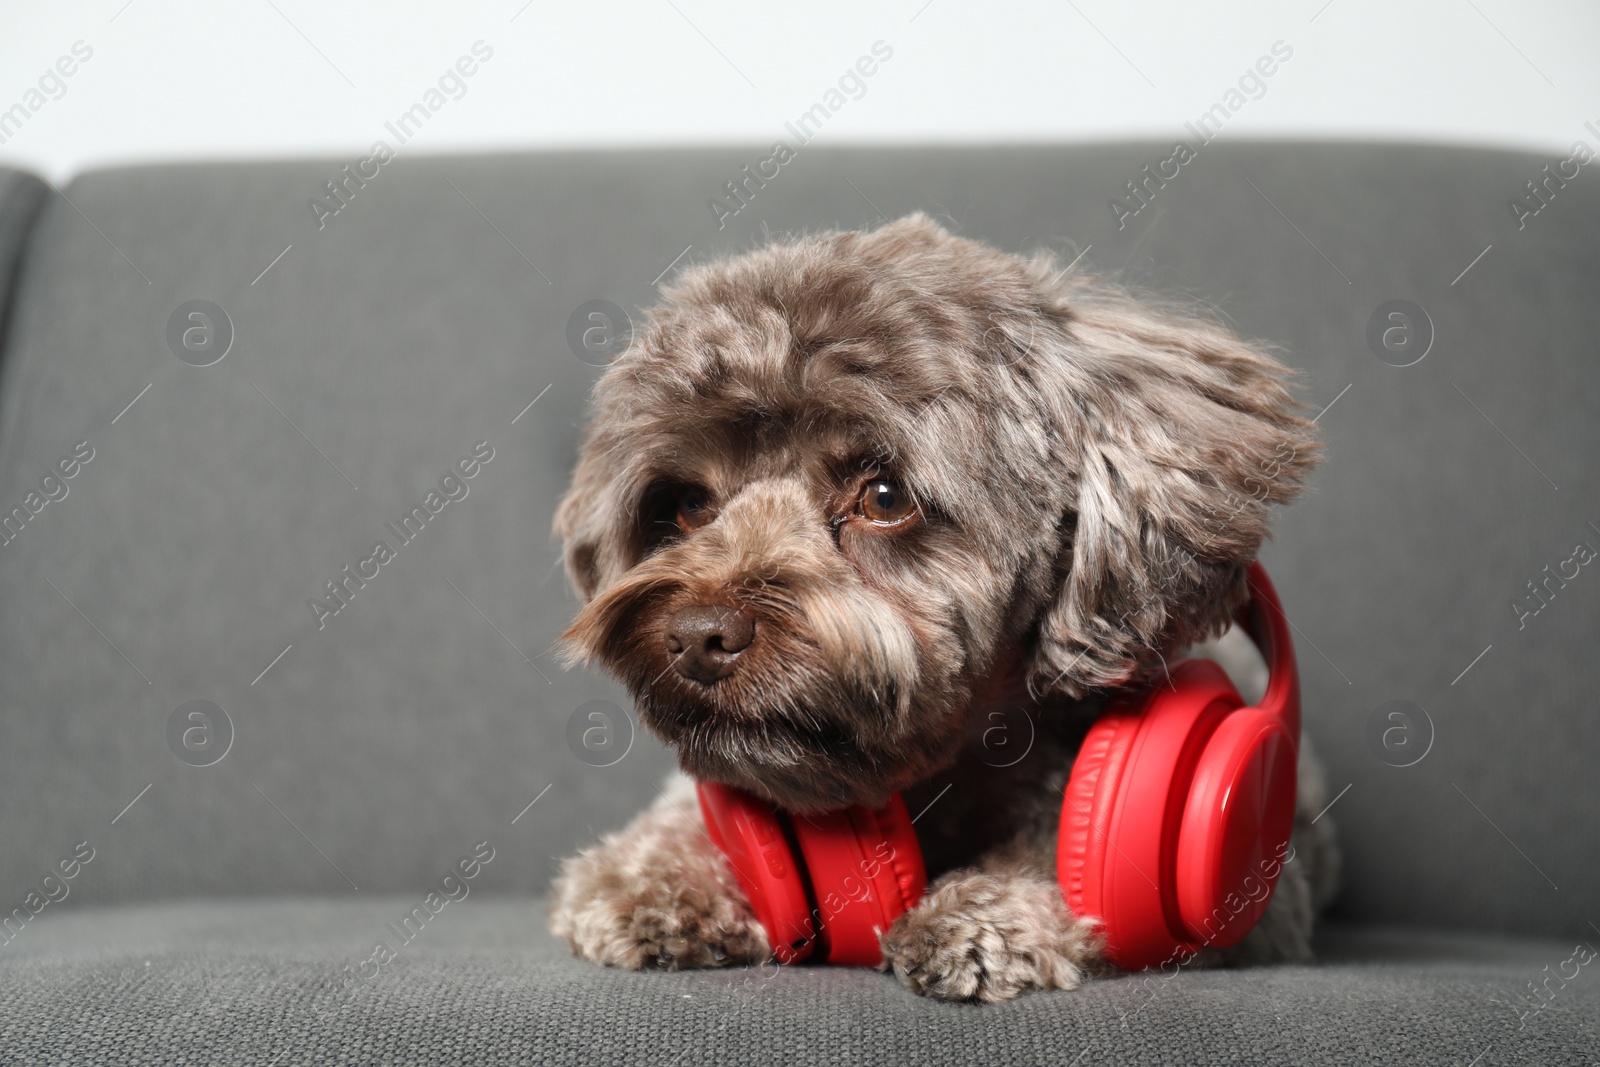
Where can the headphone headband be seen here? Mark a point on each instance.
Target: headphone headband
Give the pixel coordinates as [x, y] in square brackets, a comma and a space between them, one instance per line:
[1264, 620]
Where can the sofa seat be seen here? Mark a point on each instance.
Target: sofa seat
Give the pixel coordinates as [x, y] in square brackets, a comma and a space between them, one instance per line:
[482, 982]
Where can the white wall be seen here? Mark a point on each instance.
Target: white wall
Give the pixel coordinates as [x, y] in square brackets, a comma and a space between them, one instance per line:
[257, 78]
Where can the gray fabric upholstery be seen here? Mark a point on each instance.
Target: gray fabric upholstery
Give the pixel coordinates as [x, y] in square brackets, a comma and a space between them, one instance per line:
[258, 983]
[20, 198]
[433, 307]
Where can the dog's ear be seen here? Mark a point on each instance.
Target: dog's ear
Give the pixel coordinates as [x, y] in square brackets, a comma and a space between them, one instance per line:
[583, 518]
[1176, 437]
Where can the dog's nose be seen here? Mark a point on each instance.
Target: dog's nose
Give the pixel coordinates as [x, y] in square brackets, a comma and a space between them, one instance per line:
[705, 639]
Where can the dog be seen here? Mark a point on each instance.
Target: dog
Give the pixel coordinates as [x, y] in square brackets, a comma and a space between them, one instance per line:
[847, 499]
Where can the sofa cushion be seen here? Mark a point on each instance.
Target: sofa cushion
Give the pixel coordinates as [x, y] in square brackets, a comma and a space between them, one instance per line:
[481, 982]
[374, 347]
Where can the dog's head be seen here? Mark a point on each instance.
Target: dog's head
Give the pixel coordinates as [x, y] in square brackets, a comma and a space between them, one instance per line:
[840, 488]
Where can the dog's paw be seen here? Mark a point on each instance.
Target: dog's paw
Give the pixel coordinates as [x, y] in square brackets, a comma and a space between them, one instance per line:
[656, 894]
[989, 937]
[651, 924]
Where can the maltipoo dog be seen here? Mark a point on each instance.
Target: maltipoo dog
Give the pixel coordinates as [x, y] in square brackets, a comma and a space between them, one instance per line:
[848, 499]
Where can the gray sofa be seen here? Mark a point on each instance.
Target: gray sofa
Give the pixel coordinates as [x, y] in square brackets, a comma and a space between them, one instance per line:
[208, 882]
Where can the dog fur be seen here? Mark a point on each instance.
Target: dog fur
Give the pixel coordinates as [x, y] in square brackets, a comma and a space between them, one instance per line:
[1091, 473]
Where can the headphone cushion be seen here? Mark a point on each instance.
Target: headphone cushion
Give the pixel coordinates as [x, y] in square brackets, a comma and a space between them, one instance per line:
[891, 836]
[750, 833]
[866, 870]
[1086, 810]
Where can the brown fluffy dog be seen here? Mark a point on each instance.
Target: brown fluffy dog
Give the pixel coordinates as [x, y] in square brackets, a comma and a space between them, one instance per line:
[848, 499]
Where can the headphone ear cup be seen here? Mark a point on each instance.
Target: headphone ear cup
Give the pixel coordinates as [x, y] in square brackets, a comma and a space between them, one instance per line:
[1236, 826]
[750, 833]
[1123, 808]
[866, 870]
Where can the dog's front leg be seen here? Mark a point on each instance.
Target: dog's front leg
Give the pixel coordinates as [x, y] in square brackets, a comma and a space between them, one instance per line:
[990, 933]
[657, 894]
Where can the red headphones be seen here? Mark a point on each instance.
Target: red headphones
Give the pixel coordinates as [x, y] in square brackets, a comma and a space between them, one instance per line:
[1174, 825]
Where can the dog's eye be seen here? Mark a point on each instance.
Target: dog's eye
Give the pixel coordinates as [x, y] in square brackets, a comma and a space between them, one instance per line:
[693, 511]
[884, 502]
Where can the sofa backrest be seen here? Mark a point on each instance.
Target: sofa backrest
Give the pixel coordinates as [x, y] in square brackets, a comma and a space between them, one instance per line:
[383, 321]
[21, 198]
